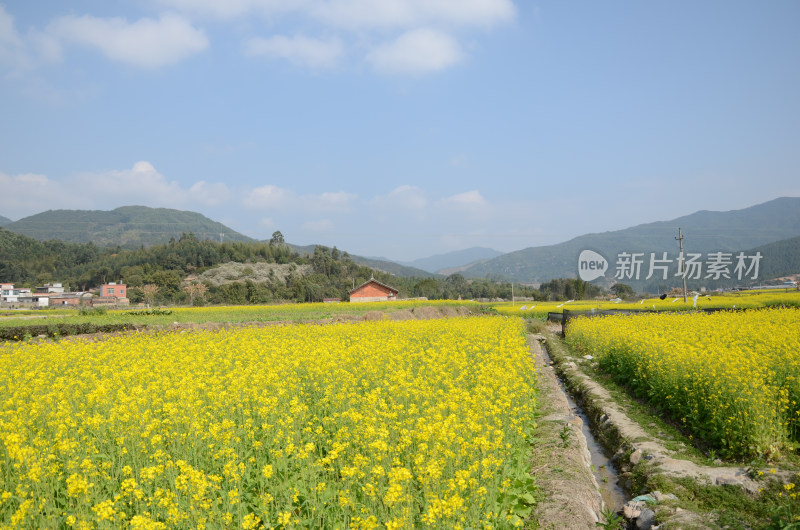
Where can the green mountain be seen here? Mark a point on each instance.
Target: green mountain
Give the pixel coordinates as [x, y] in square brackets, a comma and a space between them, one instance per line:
[454, 260]
[395, 269]
[781, 258]
[390, 267]
[5, 220]
[128, 226]
[704, 232]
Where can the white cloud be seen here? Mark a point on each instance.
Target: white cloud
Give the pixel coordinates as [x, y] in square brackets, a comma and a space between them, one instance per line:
[26, 194]
[141, 184]
[423, 32]
[322, 225]
[360, 14]
[145, 43]
[276, 198]
[424, 29]
[269, 196]
[417, 51]
[304, 51]
[105, 190]
[404, 197]
[208, 193]
[15, 52]
[411, 13]
[235, 8]
[339, 201]
[9, 38]
[468, 199]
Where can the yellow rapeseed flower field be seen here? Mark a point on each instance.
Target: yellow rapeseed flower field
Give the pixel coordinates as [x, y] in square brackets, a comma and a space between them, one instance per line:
[369, 425]
[732, 378]
[729, 300]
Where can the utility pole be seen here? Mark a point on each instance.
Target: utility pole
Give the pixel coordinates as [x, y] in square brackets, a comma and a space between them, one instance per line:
[683, 263]
[513, 301]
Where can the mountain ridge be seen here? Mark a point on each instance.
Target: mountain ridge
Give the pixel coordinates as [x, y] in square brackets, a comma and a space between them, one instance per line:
[451, 260]
[126, 226]
[704, 231]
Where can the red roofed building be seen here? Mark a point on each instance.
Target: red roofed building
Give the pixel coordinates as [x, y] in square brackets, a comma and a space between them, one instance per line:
[116, 290]
[373, 291]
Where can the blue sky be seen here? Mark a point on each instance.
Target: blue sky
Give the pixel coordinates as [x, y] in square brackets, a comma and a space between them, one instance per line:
[400, 128]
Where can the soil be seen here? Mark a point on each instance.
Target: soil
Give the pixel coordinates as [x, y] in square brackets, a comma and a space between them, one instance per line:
[570, 495]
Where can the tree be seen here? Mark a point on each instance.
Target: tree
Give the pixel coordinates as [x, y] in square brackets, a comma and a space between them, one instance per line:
[195, 289]
[623, 290]
[277, 238]
[149, 291]
[427, 287]
[580, 289]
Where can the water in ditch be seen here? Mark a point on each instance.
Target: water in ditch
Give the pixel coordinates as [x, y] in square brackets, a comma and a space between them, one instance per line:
[603, 469]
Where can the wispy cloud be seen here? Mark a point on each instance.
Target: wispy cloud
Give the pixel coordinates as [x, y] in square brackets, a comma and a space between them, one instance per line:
[410, 13]
[402, 197]
[469, 199]
[321, 225]
[145, 43]
[269, 196]
[417, 51]
[20, 53]
[395, 36]
[105, 190]
[359, 14]
[300, 50]
[283, 199]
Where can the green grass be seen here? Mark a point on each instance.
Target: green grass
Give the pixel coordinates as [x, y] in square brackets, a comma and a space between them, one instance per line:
[17, 324]
[723, 506]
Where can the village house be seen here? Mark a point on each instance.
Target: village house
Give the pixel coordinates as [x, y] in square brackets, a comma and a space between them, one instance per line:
[112, 294]
[70, 299]
[117, 290]
[44, 296]
[8, 294]
[373, 291]
[50, 288]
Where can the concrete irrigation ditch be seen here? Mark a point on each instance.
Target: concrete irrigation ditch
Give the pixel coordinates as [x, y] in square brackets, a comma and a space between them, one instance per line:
[637, 456]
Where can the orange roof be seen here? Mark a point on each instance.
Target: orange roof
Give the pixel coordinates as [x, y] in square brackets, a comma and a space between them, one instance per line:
[376, 282]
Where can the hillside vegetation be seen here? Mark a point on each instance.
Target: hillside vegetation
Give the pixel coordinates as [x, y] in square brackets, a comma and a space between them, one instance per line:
[704, 232]
[126, 227]
[251, 273]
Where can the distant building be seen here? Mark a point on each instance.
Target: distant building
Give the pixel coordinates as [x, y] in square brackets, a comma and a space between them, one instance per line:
[50, 288]
[70, 299]
[8, 294]
[112, 294]
[373, 291]
[115, 290]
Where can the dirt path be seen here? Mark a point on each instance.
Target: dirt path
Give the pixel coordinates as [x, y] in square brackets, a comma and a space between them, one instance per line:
[561, 460]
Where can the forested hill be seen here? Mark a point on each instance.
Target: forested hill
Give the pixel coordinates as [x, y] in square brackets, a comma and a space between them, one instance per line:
[126, 227]
[704, 231]
[171, 267]
[4, 220]
[781, 258]
[390, 267]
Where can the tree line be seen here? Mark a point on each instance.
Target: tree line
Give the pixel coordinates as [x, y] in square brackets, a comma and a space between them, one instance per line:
[158, 274]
